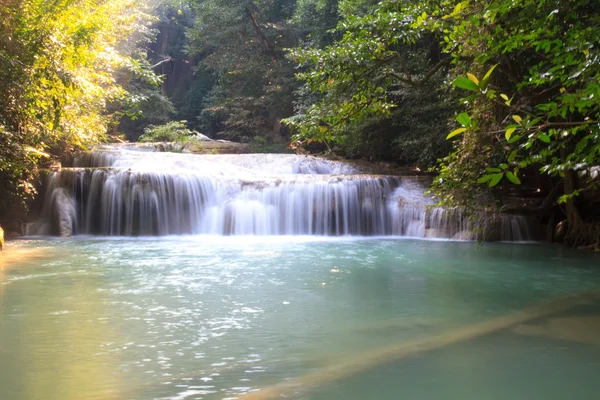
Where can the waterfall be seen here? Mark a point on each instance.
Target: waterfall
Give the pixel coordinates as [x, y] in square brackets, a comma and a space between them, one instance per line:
[129, 192]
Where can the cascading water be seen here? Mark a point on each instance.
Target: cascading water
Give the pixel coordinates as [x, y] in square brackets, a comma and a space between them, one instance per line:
[132, 192]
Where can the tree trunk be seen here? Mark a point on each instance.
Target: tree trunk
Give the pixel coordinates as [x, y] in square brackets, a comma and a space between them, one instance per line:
[163, 47]
[115, 127]
[574, 220]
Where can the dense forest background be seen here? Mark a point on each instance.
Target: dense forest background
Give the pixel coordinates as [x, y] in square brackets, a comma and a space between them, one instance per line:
[500, 99]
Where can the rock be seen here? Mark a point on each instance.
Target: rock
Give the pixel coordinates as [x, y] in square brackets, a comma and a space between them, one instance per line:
[464, 235]
[492, 229]
[561, 231]
[63, 212]
[415, 229]
[200, 136]
[431, 233]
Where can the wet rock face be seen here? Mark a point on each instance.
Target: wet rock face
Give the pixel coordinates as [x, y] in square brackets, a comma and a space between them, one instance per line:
[561, 231]
[464, 235]
[63, 212]
[125, 191]
[431, 233]
[492, 230]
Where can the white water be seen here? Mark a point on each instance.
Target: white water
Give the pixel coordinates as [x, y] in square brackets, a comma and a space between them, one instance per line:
[131, 192]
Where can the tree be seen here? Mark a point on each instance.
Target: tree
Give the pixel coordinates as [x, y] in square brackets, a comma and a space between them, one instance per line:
[536, 109]
[530, 75]
[380, 73]
[243, 46]
[58, 67]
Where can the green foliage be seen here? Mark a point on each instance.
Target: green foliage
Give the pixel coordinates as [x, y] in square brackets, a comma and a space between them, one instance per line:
[537, 103]
[173, 131]
[149, 107]
[317, 18]
[243, 46]
[380, 74]
[262, 144]
[413, 134]
[59, 65]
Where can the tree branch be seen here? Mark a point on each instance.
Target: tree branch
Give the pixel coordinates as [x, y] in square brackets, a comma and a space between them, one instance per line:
[257, 29]
[422, 82]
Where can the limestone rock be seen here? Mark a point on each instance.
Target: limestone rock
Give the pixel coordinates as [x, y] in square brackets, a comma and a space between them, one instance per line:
[431, 233]
[200, 136]
[464, 235]
[492, 229]
[63, 209]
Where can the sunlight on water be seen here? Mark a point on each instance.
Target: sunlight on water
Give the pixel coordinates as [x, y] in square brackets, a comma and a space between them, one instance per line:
[222, 317]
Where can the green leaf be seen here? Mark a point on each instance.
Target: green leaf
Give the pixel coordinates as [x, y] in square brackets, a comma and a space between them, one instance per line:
[466, 83]
[517, 118]
[513, 178]
[514, 138]
[455, 132]
[496, 178]
[503, 166]
[464, 119]
[505, 97]
[512, 155]
[484, 178]
[493, 170]
[509, 132]
[544, 138]
[486, 78]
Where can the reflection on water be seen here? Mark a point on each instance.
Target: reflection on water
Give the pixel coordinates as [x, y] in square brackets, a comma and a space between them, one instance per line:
[21, 256]
[213, 318]
[49, 332]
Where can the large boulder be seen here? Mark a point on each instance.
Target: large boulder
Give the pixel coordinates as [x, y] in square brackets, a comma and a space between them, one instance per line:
[200, 136]
[560, 231]
[492, 228]
[63, 212]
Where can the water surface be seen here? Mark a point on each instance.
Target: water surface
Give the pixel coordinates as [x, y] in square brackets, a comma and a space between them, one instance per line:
[219, 317]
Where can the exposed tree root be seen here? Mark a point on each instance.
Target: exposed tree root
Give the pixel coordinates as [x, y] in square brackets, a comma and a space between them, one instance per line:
[373, 358]
[586, 236]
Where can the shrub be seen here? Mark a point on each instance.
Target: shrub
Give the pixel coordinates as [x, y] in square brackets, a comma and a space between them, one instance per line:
[174, 131]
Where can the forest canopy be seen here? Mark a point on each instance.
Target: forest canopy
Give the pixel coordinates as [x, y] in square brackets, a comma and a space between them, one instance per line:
[498, 98]
[62, 65]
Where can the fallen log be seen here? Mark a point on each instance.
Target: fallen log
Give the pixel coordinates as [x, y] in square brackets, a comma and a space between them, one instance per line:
[388, 354]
